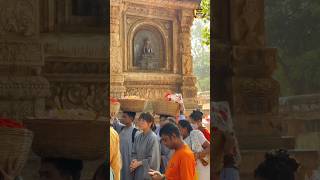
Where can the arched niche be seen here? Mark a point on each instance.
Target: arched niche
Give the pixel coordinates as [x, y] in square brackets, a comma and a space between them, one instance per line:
[147, 48]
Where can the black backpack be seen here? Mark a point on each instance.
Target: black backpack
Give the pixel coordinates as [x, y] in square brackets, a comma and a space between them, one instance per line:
[133, 133]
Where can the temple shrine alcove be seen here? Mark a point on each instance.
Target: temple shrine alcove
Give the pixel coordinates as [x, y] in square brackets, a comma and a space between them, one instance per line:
[148, 49]
[150, 52]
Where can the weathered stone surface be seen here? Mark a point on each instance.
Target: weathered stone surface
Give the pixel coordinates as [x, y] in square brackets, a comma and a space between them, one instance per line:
[19, 18]
[247, 27]
[255, 95]
[253, 62]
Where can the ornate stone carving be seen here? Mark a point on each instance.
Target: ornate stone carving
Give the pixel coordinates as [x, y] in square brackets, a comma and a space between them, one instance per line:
[78, 95]
[115, 46]
[186, 20]
[115, 61]
[149, 93]
[161, 38]
[147, 11]
[173, 21]
[152, 79]
[148, 48]
[255, 96]
[18, 17]
[17, 109]
[20, 53]
[258, 62]
[72, 67]
[248, 22]
[90, 46]
[18, 87]
[168, 4]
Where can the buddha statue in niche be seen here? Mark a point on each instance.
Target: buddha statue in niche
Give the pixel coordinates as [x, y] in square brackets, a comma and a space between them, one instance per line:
[147, 47]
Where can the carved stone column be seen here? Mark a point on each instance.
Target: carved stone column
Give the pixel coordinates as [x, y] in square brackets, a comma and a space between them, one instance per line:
[22, 87]
[254, 92]
[117, 88]
[189, 89]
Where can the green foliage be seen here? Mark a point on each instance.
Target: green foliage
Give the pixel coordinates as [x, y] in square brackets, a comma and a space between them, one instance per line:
[293, 27]
[205, 6]
[206, 36]
[201, 55]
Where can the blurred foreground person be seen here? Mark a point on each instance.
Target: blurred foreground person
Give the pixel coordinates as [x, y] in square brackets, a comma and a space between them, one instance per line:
[60, 169]
[277, 166]
[115, 156]
[101, 173]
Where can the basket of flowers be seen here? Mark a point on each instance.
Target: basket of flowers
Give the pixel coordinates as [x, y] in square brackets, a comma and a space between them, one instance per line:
[169, 105]
[83, 139]
[132, 104]
[15, 143]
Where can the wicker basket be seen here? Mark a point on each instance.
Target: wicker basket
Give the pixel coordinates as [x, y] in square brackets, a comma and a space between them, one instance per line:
[163, 107]
[74, 139]
[132, 105]
[15, 145]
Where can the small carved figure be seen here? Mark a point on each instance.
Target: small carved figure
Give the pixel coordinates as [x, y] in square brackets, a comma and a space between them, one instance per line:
[147, 48]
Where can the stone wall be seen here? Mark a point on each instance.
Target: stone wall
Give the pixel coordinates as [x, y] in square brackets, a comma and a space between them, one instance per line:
[301, 118]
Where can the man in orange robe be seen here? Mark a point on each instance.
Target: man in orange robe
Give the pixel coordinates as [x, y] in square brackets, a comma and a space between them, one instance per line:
[182, 163]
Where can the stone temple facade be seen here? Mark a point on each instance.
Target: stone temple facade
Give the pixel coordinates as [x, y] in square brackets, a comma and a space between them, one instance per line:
[150, 49]
[52, 56]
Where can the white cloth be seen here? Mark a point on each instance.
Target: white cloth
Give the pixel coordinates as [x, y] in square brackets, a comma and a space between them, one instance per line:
[195, 141]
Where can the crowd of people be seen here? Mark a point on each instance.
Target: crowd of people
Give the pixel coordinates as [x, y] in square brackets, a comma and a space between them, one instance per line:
[175, 148]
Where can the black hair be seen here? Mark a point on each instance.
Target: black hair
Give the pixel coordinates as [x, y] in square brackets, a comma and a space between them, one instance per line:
[101, 172]
[65, 166]
[196, 115]
[130, 114]
[186, 124]
[277, 166]
[149, 118]
[169, 129]
[165, 116]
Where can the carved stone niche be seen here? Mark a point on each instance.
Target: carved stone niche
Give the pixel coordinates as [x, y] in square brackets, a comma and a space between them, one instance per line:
[18, 18]
[149, 45]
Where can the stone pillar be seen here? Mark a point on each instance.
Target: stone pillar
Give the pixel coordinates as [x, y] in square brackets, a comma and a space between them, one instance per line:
[22, 87]
[188, 88]
[243, 68]
[117, 88]
[255, 93]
